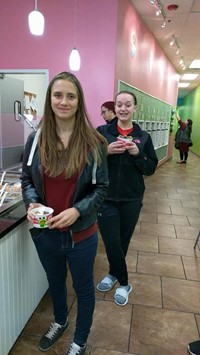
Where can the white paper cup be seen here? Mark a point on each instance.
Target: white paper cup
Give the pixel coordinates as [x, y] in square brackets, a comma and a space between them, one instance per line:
[41, 215]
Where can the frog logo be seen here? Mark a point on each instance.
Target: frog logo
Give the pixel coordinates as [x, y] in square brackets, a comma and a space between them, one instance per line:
[42, 221]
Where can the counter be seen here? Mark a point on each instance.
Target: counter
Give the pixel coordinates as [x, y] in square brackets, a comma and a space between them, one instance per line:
[13, 216]
[22, 277]
[13, 211]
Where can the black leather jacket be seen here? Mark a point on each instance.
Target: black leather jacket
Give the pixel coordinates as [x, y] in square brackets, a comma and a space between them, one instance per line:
[89, 193]
[126, 181]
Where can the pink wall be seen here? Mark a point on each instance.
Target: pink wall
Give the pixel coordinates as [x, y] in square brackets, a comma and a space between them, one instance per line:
[96, 41]
[104, 32]
[150, 70]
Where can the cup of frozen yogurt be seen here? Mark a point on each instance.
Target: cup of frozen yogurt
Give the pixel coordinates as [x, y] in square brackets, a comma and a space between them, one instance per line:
[41, 215]
[126, 139]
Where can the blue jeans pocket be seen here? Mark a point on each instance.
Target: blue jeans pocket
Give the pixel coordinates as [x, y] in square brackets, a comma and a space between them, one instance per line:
[36, 233]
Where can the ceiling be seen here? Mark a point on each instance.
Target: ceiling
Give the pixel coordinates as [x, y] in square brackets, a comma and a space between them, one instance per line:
[184, 24]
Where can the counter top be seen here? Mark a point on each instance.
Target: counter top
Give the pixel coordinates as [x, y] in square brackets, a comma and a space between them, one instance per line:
[12, 217]
[13, 211]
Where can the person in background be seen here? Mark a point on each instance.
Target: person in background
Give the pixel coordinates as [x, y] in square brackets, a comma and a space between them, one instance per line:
[183, 138]
[108, 111]
[131, 155]
[65, 167]
[194, 347]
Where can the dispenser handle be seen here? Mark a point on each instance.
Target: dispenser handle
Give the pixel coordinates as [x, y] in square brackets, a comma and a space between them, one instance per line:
[17, 110]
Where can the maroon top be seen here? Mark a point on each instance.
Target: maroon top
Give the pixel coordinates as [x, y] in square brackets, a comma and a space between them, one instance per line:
[59, 193]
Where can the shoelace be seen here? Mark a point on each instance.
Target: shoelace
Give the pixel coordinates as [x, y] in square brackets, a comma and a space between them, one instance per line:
[54, 327]
[74, 349]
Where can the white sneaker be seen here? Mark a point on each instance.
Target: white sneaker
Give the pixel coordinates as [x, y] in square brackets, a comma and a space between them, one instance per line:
[75, 349]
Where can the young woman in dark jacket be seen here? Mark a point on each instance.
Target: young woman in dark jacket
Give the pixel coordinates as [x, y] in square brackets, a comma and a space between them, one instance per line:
[131, 155]
[65, 168]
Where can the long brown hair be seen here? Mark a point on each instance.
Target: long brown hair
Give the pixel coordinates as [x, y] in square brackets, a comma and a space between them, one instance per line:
[84, 138]
[189, 124]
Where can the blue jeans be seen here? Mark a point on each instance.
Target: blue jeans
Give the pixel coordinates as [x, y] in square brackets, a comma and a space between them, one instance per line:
[55, 250]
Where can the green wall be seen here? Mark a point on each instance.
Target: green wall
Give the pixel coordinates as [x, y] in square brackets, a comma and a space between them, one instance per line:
[190, 108]
[152, 115]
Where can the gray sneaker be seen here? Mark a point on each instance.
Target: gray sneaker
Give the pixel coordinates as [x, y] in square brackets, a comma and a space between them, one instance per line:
[52, 335]
[75, 349]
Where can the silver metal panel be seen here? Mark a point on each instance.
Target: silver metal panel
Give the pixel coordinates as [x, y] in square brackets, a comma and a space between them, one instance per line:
[11, 131]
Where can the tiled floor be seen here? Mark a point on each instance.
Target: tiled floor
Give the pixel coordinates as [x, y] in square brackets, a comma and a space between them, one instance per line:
[163, 313]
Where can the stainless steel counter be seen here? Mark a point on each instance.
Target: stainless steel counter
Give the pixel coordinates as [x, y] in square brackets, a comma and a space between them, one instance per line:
[12, 211]
[11, 188]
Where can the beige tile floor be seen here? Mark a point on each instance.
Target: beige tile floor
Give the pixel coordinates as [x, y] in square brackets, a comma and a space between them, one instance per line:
[163, 313]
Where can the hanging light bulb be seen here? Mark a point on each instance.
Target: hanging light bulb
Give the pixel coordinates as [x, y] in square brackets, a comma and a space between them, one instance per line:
[36, 22]
[74, 58]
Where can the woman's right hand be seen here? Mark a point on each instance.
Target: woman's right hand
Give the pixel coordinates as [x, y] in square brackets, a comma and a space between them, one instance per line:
[117, 147]
[30, 217]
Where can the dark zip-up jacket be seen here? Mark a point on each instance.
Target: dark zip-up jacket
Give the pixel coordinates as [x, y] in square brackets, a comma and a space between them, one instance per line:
[90, 191]
[125, 171]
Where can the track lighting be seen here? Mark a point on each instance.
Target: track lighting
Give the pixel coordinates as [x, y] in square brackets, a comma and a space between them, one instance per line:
[160, 11]
[172, 41]
[181, 61]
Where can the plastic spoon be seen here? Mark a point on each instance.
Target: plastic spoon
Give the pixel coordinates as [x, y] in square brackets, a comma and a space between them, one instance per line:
[3, 188]
[2, 178]
[3, 198]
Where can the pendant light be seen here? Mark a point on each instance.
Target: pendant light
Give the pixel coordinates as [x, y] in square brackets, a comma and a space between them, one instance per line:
[74, 58]
[36, 22]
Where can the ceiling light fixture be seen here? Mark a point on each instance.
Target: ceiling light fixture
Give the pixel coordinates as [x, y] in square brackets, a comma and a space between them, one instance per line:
[160, 11]
[189, 76]
[36, 22]
[183, 85]
[195, 64]
[174, 41]
[74, 58]
[182, 63]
